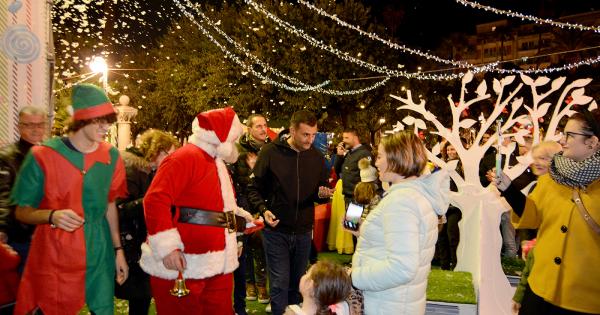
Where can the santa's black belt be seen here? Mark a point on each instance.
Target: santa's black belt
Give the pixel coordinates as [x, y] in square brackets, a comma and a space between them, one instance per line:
[226, 220]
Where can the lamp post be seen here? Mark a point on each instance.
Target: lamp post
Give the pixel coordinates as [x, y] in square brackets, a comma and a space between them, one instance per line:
[98, 65]
[121, 132]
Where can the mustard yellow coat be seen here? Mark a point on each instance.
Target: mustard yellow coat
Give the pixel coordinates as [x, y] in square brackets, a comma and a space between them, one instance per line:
[567, 255]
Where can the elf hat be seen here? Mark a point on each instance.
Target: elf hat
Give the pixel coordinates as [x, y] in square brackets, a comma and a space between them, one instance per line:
[219, 128]
[367, 172]
[90, 101]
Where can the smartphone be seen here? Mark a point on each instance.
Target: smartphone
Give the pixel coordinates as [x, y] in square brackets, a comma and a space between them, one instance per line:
[353, 215]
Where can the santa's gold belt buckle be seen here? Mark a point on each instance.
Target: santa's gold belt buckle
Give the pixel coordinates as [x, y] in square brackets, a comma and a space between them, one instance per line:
[230, 219]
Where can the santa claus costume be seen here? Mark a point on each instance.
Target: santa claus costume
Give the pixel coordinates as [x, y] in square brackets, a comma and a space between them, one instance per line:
[194, 181]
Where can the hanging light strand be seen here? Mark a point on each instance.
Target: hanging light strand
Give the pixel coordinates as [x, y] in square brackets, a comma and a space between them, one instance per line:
[266, 79]
[248, 54]
[347, 57]
[373, 36]
[532, 18]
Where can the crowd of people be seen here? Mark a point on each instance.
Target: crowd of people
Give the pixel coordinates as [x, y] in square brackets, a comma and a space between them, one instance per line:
[230, 214]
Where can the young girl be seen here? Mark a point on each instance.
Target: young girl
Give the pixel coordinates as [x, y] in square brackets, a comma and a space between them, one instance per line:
[367, 192]
[324, 289]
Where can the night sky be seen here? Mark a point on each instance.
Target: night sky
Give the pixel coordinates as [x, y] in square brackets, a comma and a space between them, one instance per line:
[424, 22]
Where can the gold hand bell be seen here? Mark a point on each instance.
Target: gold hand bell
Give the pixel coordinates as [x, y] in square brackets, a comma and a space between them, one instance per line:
[179, 289]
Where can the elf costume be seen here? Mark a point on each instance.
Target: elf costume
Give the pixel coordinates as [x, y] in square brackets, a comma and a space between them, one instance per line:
[194, 177]
[65, 270]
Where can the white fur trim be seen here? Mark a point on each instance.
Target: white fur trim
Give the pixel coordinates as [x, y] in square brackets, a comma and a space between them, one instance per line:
[241, 212]
[224, 150]
[229, 203]
[207, 147]
[207, 135]
[199, 266]
[164, 242]
[236, 130]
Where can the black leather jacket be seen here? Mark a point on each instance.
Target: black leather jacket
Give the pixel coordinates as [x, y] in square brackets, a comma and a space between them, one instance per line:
[11, 158]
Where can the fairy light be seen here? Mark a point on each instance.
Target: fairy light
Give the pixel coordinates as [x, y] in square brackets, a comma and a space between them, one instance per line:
[461, 64]
[264, 78]
[532, 18]
[373, 36]
[248, 54]
[348, 57]
[586, 62]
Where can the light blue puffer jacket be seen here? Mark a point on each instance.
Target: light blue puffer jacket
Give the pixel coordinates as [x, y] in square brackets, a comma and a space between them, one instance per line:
[397, 241]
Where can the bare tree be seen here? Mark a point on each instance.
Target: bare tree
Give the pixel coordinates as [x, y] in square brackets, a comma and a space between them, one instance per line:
[479, 249]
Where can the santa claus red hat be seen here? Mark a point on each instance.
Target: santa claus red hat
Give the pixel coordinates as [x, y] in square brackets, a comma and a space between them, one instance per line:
[216, 131]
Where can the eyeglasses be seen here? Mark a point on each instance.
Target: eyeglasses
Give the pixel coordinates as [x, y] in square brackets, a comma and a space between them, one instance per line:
[33, 125]
[570, 134]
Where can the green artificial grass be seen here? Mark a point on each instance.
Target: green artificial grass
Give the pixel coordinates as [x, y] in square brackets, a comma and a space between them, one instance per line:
[451, 287]
[443, 286]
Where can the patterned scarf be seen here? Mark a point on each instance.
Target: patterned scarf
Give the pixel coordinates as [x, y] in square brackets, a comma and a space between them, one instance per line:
[573, 174]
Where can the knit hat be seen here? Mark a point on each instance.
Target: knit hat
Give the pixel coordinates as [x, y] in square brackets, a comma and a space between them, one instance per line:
[367, 172]
[215, 131]
[90, 101]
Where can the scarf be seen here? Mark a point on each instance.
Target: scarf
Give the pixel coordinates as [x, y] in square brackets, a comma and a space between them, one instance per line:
[573, 174]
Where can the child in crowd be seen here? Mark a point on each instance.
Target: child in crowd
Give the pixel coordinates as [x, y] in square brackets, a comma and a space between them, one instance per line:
[367, 192]
[520, 292]
[324, 289]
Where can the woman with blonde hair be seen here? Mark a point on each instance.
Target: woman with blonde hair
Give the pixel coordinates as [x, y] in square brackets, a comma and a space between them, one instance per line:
[141, 164]
[396, 241]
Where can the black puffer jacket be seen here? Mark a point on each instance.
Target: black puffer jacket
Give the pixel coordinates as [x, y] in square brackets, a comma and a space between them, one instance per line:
[240, 171]
[11, 158]
[287, 183]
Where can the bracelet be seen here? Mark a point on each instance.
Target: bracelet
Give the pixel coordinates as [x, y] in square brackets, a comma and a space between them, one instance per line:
[52, 225]
[118, 248]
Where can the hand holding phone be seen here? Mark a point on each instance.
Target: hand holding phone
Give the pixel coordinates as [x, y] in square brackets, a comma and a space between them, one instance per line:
[353, 215]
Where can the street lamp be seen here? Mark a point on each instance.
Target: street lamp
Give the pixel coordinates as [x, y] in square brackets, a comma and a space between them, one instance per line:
[98, 65]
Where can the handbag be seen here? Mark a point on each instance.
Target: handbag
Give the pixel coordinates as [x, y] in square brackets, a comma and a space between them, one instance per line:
[584, 213]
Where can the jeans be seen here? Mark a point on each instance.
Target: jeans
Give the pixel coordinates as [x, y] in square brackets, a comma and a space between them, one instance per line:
[287, 259]
[255, 253]
[509, 245]
[239, 282]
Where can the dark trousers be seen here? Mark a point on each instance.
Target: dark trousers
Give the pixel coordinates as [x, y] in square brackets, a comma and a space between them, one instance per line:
[533, 304]
[448, 239]
[239, 282]
[255, 254]
[23, 250]
[287, 259]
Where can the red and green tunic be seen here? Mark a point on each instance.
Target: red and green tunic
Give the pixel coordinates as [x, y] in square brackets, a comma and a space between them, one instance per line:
[65, 270]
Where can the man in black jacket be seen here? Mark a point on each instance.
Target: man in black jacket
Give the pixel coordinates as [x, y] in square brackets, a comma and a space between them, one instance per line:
[249, 282]
[349, 152]
[33, 124]
[288, 178]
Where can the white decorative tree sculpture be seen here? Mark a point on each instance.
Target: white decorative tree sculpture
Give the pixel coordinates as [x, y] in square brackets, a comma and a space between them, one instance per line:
[481, 242]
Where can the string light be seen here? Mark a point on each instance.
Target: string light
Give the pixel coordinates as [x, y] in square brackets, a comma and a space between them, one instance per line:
[492, 67]
[373, 36]
[348, 57]
[522, 16]
[248, 54]
[586, 62]
[266, 79]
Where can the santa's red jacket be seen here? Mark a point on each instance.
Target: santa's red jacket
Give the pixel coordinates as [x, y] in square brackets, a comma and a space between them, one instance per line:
[188, 178]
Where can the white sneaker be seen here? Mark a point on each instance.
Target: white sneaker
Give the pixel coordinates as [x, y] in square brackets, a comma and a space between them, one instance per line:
[268, 308]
